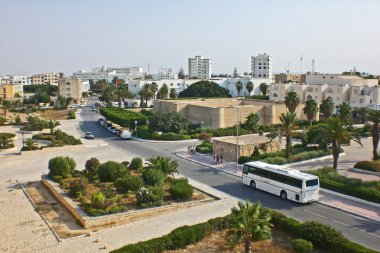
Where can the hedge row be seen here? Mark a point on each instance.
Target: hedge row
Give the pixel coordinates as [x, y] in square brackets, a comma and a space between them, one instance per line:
[368, 165]
[322, 236]
[144, 133]
[331, 180]
[205, 147]
[125, 118]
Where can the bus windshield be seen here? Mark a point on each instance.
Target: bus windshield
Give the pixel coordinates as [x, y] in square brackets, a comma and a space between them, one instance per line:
[311, 183]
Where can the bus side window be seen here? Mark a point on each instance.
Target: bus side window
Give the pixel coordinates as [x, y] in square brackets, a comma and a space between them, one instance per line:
[245, 169]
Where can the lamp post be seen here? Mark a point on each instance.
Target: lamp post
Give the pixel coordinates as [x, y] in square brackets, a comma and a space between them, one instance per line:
[202, 125]
[237, 139]
[136, 127]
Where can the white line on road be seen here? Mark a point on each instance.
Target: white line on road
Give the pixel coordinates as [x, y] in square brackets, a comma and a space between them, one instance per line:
[374, 235]
[339, 222]
[319, 215]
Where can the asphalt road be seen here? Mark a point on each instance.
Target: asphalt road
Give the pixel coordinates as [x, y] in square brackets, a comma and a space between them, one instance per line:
[357, 229]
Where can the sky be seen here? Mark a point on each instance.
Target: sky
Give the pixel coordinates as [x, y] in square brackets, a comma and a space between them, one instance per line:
[70, 35]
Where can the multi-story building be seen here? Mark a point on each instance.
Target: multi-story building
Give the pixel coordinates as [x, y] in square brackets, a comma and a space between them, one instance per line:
[50, 78]
[164, 73]
[284, 78]
[107, 73]
[70, 87]
[25, 80]
[11, 91]
[199, 67]
[261, 66]
[37, 79]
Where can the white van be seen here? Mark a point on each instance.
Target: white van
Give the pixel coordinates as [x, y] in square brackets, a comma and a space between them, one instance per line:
[125, 134]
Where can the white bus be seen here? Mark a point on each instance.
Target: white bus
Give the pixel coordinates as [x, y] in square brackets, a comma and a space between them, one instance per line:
[286, 183]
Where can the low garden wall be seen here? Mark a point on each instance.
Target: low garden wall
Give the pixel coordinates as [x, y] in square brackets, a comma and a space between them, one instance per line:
[89, 222]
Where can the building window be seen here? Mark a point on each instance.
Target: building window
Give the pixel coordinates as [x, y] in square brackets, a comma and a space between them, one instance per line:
[361, 101]
[275, 95]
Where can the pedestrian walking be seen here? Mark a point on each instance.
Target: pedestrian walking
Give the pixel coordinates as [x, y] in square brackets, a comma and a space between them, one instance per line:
[217, 158]
[214, 158]
[221, 158]
[188, 149]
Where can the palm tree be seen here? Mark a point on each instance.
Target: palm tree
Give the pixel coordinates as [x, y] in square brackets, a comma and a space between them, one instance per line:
[173, 93]
[145, 93]
[363, 113]
[123, 92]
[164, 164]
[250, 222]
[252, 122]
[327, 108]
[264, 88]
[52, 124]
[164, 91]
[153, 88]
[374, 116]
[337, 132]
[30, 144]
[310, 109]
[345, 112]
[292, 101]
[239, 87]
[249, 87]
[286, 129]
[108, 94]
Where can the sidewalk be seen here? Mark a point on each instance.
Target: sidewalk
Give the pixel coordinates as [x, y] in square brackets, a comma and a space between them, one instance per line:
[329, 198]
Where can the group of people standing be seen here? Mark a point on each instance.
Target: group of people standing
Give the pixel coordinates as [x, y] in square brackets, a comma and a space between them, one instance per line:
[190, 149]
[218, 158]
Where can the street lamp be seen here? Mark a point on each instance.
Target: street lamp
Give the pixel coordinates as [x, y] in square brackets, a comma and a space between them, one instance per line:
[22, 133]
[136, 127]
[237, 139]
[202, 125]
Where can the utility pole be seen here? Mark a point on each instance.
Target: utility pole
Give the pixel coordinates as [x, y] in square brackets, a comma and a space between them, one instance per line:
[237, 139]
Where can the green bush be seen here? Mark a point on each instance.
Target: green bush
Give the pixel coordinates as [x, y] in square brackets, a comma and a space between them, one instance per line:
[276, 216]
[62, 166]
[331, 180]
[77, 187]
[168, 122]
[245, 159]
[58, 138]
[129, 183]
[98, 200]
[289, 225]
[321, 235]
[111, 170]
[187, 235]
[351, 247]
[302, 246]
[153, 177]
[136, 163]
[204, 89]
[262, 97]
[122, 117]
[125, 163]
[275, 160]
[71, 115]
[150, 196]
[3, 120]
[181, 190]
[368, 165]
[6, 140]
[170, 136]
[91, 167]
[205, 147]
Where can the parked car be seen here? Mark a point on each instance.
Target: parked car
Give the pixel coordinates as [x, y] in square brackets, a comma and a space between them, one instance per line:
[93, 109]
[125, 134]
[89, 135]
[117, 132]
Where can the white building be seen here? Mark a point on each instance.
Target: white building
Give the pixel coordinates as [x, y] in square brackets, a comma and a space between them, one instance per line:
[199, 67]
[107, 73]
[25, 80]
[165, 73]
[261, 66]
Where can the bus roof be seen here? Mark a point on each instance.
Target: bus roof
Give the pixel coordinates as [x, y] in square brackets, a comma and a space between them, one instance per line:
[281, 170]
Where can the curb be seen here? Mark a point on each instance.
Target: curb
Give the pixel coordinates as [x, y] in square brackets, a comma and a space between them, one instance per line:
[351, 198]
[322, 158]
[366, 172]
[207, 165]
[348, 211]
[158, 141]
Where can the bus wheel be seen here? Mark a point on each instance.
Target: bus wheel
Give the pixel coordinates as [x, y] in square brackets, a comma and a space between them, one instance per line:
[283, 195]
[253, 184]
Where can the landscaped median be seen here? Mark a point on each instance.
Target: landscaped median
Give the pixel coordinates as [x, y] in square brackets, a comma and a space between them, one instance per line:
[372, 166]
[306, 235]
[330, 179]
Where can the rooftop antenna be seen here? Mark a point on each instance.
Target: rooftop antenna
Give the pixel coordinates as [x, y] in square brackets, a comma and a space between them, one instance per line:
[287, 71]
[312, 67]
[148, 67]
[301, 65]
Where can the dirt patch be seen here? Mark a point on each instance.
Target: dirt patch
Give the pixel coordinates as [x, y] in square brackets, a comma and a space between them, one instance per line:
[54, 114]
[280, 243]
[61, 220]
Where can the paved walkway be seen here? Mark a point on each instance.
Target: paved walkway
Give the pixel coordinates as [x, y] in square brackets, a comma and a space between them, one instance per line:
[329, 198]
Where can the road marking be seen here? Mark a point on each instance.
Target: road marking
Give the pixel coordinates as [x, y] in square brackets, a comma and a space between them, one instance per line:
[374, 235]
[344, 224]
[319, 215]
[100, 145]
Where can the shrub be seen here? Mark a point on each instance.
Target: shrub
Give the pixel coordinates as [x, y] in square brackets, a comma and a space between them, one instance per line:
[205, 137]
[91, 167]
[98, 200]
[129, 183]
[245, 159]
[181, 190]
[62, 166]
[136, 163]
[166, 122]
[150, 196]
[289, 225]
[323, 236]
[3, 120]
[205, 147]
[18, 120]
[275, 216]
[153, 177]
[368, 165]
[77, 187]
[6, 140]
[170, 136]
[275, 160]
[351, 247]
[302, 246]
[111, 170]
[125, 163]
[123, 117]
[186, 235]
[71, 115]
[204, 89]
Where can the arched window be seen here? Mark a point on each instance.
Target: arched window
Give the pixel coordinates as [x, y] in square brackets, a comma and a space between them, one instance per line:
[309, 97]
[275, 95]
